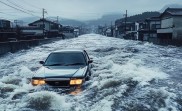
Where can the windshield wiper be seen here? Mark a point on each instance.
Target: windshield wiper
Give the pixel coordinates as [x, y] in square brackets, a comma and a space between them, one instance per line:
[74, 64]
[55, 64]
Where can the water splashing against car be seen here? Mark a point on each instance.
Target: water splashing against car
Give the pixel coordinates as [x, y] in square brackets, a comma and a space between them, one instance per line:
[127, 75]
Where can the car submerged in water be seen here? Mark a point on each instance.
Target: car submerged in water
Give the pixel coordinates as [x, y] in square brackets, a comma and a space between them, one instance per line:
[64, 69]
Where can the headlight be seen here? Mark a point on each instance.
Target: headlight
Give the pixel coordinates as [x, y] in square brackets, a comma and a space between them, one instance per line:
[38, 82]
[76, 82]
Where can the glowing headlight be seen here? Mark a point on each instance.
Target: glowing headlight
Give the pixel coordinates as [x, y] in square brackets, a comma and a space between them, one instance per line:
[76, 82]
[38, 82]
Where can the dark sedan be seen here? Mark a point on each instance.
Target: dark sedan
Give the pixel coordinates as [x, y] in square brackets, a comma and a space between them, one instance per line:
[65, 68]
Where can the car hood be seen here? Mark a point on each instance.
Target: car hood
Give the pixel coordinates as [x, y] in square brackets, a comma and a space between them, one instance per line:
[60, 71]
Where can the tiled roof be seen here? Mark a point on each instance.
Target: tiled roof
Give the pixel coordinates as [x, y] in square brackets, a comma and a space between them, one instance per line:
[45, 20]
[174, 11]
[3, 20]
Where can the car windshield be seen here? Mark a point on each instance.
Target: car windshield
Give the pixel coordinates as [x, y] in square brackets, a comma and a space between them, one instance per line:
[65, 59]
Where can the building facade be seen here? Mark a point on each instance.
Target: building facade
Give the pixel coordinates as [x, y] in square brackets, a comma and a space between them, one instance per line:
[148, 29]
[48, 25]
[171, 24]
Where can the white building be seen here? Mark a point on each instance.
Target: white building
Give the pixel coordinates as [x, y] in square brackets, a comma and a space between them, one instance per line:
[31, 30]
[171, 24]
[49, 26]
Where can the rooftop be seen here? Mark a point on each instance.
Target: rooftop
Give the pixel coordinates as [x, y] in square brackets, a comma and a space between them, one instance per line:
[173, 11]
[3, 20]
[45, 20]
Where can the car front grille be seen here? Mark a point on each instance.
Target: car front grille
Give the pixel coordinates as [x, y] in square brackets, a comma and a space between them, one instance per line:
[58, 83]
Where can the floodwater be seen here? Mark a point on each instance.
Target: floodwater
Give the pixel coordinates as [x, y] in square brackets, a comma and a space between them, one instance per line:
[126, 76]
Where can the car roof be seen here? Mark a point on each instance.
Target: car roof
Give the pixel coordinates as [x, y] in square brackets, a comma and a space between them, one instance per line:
[69, 50]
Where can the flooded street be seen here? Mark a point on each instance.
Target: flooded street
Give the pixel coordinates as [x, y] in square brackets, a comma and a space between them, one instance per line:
[126, 76]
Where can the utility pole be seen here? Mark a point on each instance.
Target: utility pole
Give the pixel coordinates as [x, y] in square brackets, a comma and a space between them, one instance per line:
[58, 22]
[57, 19]
[111, 30]
[43, 13]
[16, 22]
[126, 21]
[58, 26]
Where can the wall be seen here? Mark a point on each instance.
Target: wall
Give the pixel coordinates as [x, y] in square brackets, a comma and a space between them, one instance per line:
[12, 47]
[154, 23]
[47, 25]
[137, 25]
[177, 27]
[165, 42]
[69, 35]
[33, 31]
[166, 23]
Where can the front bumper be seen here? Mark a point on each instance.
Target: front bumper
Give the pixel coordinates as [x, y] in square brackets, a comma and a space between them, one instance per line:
[73, 90]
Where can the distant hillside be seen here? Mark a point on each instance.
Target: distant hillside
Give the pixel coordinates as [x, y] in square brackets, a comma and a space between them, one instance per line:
[141, 17]
[28, 20]
[105, 20]
[71, 22]
[170, 6]
[63, 21]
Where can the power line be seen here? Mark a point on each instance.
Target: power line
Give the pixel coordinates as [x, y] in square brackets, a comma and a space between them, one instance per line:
[18, 9]
[30, 4]
[15, 4]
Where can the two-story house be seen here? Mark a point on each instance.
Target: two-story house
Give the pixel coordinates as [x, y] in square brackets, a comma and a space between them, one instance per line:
[50, 27]
[5, 24]
[171, 24]
[148, 29]
[67, 31]
[125, 29]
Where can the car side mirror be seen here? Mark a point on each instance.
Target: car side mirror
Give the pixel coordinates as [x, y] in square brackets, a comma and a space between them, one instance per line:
[41, 62]
[90, 61]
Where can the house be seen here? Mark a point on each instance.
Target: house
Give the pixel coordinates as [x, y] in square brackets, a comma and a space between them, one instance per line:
[68, 31]
[148, 29]
[171, 24]
[5, 23]
[100, 30]
[50, 28]
[139, 26]
[30, 32]
[6, 31]
[76, 31]
[139, 30]
[124, 29]
[130, 30]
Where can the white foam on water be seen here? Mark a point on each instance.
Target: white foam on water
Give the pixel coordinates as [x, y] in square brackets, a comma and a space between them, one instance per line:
[103, 105]
[52, 99]
[120, 71]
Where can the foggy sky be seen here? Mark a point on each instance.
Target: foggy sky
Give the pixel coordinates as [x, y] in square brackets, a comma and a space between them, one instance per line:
[81, 9]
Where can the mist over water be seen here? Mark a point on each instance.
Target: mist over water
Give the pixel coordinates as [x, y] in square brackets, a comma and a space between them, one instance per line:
[126, 76]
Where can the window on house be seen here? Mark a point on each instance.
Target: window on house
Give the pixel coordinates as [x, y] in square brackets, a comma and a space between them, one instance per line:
[155, 26]
[141, 26]
[158, 26]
